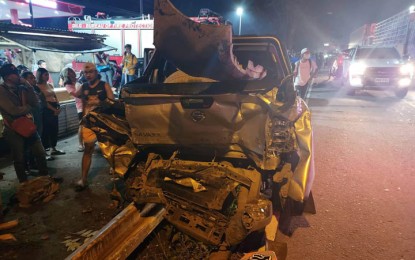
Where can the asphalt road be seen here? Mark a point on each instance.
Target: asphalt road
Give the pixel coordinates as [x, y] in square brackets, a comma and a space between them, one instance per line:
[364, 189]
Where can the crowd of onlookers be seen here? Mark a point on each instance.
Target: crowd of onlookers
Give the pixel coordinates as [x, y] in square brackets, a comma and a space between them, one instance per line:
[31, 94]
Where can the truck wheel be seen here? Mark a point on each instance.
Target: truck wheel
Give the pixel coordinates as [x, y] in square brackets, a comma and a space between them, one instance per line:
[401, 92]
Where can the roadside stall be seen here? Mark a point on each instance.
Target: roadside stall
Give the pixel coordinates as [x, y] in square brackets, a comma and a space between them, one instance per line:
[59, 48]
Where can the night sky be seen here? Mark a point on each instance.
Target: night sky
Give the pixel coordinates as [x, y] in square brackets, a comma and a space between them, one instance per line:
[310, 22]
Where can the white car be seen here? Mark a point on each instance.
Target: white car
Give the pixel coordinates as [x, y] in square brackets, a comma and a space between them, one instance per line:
[377, 68]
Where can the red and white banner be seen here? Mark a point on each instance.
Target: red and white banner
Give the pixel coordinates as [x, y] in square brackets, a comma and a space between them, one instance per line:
[148, 25]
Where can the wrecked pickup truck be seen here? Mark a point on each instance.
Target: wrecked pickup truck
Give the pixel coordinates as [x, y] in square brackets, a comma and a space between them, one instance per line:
[213, 130]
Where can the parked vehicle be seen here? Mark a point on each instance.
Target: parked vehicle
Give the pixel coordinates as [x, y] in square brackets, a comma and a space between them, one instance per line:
[377, 68]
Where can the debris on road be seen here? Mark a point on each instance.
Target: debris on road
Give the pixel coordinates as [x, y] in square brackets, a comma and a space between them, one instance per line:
[42, 188]
[8, 225]
[73, 243]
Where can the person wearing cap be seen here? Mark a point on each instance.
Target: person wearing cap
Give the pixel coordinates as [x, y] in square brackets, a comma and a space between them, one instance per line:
[129, 63]
[17, 99]
[304, 71]
[93, 93]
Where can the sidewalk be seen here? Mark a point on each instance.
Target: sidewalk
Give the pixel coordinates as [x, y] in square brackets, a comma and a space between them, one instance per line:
[44, 226]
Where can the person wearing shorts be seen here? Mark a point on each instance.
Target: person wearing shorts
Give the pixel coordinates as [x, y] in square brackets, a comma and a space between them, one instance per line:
[92, 93]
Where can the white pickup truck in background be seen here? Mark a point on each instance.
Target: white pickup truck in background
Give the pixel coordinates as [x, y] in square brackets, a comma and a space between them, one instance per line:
[377, 68]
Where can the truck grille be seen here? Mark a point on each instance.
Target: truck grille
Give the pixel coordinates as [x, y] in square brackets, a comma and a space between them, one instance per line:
[382, 72]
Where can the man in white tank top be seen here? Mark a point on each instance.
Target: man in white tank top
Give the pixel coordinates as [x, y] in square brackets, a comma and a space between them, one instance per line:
[304, 71]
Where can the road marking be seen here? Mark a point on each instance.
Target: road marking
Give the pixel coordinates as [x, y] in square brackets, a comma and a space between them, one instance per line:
[308, 94]
[409, 103]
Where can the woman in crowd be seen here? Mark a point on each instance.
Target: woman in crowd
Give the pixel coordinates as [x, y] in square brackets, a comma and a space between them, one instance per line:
[68, 77]
[50, 112]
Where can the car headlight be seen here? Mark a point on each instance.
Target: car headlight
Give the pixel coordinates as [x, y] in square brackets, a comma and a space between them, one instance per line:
[406, 69]
[357, 68]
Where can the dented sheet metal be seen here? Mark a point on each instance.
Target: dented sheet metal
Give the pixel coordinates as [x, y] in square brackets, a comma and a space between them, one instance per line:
[114, 139]
[210, 46]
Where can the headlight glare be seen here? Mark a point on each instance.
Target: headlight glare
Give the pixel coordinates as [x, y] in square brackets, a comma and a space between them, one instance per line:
[357, 68]
[406, 69]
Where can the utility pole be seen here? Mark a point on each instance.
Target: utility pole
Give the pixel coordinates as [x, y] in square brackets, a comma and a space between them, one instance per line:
[141, 9]
[32, 19]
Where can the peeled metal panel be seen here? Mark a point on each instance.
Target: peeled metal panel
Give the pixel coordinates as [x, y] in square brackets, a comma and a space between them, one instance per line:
[200, 50]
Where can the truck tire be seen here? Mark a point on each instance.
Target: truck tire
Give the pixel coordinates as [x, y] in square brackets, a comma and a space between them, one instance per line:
[401, 92]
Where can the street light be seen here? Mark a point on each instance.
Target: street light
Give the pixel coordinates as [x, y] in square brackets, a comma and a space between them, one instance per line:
[240, 11]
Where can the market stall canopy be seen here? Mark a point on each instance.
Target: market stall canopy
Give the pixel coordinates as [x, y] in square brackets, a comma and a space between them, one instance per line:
[41, 9]
[12, 36]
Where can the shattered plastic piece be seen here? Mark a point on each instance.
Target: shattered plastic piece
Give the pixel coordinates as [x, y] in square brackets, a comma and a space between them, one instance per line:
[88, 233]
[73, 243]
[44, 237]
[7, 237]
[72, 246]
[188, 182]
[81, 232]
[70, 240]
[8, 225]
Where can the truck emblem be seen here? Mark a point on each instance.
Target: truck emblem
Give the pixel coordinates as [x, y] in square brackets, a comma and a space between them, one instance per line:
[198, 116]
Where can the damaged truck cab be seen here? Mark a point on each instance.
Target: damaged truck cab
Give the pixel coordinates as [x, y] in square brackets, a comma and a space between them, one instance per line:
[214, 131]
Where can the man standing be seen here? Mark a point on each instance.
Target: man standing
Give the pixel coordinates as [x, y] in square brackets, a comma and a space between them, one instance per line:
[41, 64]
[304, 71]
[92, 93]
[129, 63]
[17, 99]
